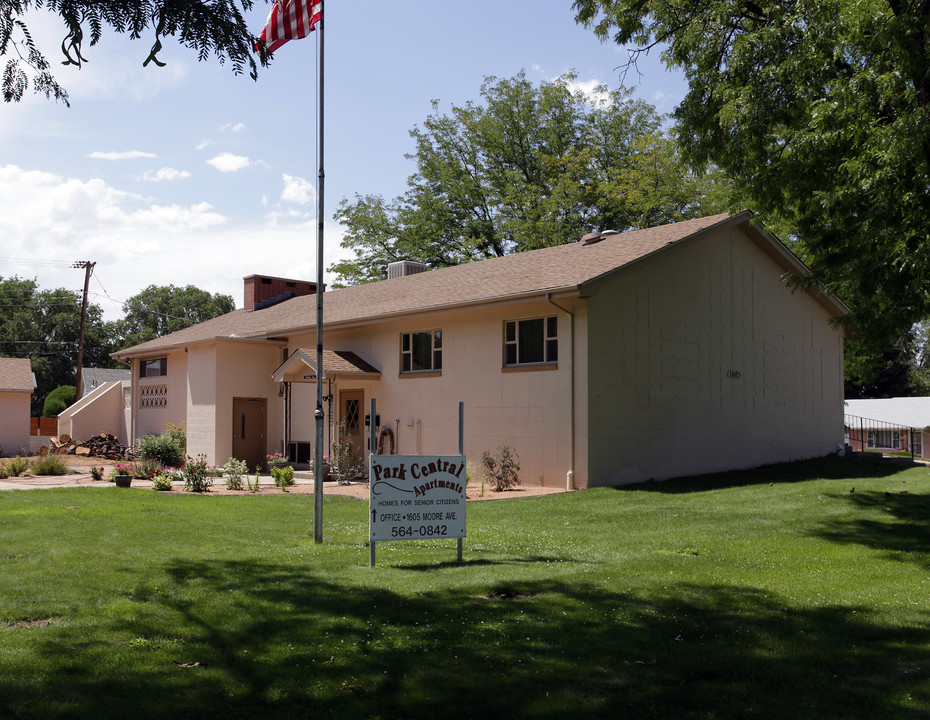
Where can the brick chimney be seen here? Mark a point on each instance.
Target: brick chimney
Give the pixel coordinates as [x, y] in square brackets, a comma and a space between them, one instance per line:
[263, 291]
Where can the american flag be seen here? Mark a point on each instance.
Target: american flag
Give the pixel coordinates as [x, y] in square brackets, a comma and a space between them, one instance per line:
[289, 20]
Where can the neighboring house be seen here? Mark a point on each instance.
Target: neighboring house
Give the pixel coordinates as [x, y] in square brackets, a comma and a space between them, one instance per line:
[92, 378]
[893, 424]
[652, 354]
[17, 384]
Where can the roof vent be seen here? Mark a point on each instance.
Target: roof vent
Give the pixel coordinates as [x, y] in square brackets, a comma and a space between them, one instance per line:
[402, 268]
[596, 236]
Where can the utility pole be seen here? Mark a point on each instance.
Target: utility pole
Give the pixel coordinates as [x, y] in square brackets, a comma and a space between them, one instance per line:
[79, 382]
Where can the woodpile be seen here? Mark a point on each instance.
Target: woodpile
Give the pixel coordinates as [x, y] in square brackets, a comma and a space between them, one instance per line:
[104, 446]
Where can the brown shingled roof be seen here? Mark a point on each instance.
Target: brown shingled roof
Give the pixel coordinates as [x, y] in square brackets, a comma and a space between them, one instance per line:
[335, 362]
[16, 374]
[552, 269]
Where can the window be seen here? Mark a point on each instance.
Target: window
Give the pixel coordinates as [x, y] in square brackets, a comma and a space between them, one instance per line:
[531, 341]
[887, 439]
[421, 351]
[153, 368]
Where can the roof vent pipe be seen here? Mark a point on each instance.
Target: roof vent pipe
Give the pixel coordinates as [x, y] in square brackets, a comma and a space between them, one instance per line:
[597, 236]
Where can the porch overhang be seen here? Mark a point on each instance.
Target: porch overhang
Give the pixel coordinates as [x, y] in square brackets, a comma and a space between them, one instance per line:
[301, 366]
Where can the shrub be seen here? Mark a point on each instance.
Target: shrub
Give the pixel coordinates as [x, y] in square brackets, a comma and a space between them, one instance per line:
[17, 466]
[50, 465]
[58, 400]
[196, 474]
[283, 475]
[176, 433]
[147, 468]
[501, 468]
[96, 473]
[345, 464]
[4, 471]
[248, 482]
[233, 471]
[161, 481]
[167, 448]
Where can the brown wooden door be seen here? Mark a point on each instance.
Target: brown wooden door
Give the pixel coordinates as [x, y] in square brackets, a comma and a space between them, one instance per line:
[249, 427]
[351, 412]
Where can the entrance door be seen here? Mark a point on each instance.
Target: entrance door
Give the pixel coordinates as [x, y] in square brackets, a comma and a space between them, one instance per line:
[350, 412]
[249, 426]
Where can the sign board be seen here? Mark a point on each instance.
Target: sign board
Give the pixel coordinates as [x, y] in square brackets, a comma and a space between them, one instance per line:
[415, 497]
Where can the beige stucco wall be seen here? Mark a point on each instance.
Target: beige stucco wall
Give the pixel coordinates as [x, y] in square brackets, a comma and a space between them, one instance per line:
[529, 410]
[14, 421]
[200, 392]
[701, 359]
[102, 411]
[243, 370]
[152, 420]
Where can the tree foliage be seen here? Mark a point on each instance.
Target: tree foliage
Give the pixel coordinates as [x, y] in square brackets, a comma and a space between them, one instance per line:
[527, 167]
[58, 400]
[44, 325]
[818, 109]
[162, 309]
[208, 27]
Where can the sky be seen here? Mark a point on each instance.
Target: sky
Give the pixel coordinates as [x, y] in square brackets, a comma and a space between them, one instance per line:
[191, 175]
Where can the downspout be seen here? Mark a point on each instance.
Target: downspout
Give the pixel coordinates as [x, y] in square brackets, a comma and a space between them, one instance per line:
[570, 475]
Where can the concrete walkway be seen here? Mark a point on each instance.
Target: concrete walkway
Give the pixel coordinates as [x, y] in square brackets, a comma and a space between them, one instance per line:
[85, 480]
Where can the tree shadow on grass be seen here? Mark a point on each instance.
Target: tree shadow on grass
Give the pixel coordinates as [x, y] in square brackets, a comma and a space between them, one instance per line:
[827, 468]
[275, 642]
[897, 523]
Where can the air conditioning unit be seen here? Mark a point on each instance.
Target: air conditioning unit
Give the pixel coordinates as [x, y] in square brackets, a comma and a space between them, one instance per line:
[402, 268]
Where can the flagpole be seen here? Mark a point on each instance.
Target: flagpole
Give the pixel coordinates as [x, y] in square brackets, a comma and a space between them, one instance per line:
[318, 459]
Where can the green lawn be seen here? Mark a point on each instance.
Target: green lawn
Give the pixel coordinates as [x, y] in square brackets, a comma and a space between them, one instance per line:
[776, 593]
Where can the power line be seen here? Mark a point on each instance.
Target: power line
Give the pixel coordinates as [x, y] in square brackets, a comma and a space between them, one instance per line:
[26, 261]
[38, 342]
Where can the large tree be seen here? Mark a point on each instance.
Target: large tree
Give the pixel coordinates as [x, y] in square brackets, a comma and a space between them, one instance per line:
[206, 26]
[818, 109]
[528, 166]
[44, 325]
[162, 309]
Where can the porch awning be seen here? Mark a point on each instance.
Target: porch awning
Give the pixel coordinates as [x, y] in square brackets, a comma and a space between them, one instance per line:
[301, 366]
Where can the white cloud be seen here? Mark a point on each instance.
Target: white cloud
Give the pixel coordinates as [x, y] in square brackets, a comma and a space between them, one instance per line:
[297, 190]
[138, 241]
[233, 127]
[594, 91]
[227, 162]
[166, 173]
[121, 155]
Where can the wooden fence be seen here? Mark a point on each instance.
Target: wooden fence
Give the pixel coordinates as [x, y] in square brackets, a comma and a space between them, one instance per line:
[43, 426]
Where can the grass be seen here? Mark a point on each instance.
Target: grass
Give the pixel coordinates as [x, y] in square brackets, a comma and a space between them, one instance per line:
[796, 591]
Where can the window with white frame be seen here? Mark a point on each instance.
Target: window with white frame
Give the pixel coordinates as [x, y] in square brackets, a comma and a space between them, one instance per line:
[887, 439]
[531, 342]
[421, 351]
